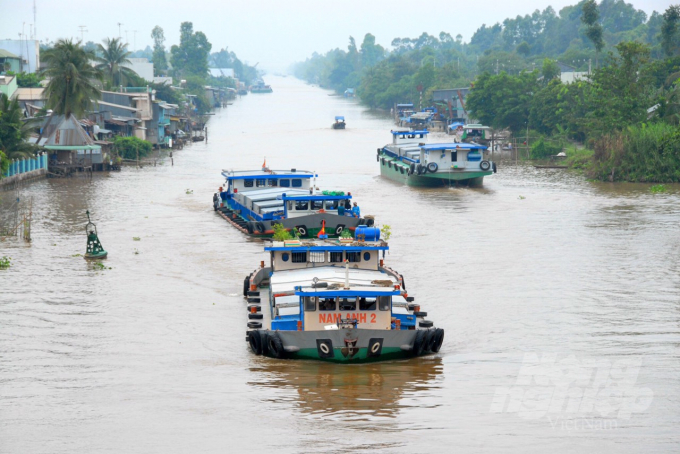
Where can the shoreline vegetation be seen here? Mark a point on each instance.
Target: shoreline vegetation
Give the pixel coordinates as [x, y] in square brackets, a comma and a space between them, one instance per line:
[620, 99]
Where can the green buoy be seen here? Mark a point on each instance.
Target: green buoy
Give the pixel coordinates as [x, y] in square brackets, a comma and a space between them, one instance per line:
[94, 246]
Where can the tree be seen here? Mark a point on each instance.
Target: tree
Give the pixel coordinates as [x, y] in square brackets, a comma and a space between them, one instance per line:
[669, 29]
[590, 17]
[621, 92]
[71, 88]
[191, 56]
[550, 70]
[13, 131]
[112, 62]
[523, 48]
[160, 64]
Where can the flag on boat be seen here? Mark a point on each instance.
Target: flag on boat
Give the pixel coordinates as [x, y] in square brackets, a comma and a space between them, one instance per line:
[264, 164]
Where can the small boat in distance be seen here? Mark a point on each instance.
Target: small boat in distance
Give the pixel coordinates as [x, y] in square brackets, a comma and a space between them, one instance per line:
[410, 160]
[255, 200]
[260, 87]
[339, 122]
[334, 301]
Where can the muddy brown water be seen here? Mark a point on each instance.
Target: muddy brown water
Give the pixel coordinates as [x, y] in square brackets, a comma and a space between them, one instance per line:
[559, 297]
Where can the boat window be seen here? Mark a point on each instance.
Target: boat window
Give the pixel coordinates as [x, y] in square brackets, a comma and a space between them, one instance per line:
[327, 304]
[317, 257]
[348, 304]
[273, 183]
[285, 256]
[454, 156]
[301, 205]
[310, 303]
[284, 182]
[297, 183]
[248, 183]
[384, 303]
[317, 204]
[354, 257]
[261, 182]
[367, 304]
[336, 257]
[331, 204]
[367, 256]
[299, 257]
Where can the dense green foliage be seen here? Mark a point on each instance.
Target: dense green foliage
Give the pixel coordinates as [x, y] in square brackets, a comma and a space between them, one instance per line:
[646, 152]
[13, 133]
[190, 57]
[226, 59]
[71, 87]
[26, 80]
[160, 63]
[128, 147]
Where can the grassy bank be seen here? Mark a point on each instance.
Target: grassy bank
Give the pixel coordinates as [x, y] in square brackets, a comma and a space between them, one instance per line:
[645, 153]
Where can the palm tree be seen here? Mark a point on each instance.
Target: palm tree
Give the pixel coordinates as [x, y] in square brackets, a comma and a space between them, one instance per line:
[114, 57]
[13, 130]
[71, 87]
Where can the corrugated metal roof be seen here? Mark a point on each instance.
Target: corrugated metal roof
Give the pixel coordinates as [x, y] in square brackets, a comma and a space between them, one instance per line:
[69, 133]
[7, 54]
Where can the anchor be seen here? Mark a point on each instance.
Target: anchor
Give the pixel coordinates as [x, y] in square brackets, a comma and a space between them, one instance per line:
[94, 246]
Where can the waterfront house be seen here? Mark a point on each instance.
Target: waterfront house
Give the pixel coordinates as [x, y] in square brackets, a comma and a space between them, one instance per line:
[9, 62]
[28, 51]
[69, 144]
[8, 85]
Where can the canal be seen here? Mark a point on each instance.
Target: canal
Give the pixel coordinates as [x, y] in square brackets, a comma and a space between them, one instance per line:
[560, 299]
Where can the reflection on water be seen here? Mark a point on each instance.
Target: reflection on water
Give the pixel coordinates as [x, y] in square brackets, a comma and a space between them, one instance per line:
[149, 355]
[351, 392]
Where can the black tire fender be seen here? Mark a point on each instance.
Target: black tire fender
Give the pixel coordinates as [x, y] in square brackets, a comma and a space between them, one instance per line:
[301, 230]
[419, 343]
[493, 166]
[254, 325]
[370, 222]
[275, 346]
[246, 286]
[339, 229]
[485, 165]
[438, 340]
[413, 168]
[432, 167]
[256, 316]
[249, 227]
[260, 227]
[426, 323]
[255, 342]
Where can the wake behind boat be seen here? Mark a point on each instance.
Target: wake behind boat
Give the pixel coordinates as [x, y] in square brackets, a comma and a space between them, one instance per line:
[334, 301]
[255, 200]
[408, 159]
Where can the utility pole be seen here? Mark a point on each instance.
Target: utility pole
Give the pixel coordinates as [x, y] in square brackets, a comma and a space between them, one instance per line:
[126, 37]
[35, 22]
[119, 24]
[82, 31]
[134, 38]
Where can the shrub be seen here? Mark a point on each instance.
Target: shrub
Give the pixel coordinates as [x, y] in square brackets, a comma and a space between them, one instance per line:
[128, 147]
[544, 149]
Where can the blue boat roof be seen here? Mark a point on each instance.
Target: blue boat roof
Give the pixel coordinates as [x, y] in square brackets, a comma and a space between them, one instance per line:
[345, 293]
[408, 133]
[314, 197]
[260, 175]
[339, 117]
[452, 146]
[405, 105]
[330, 247]
[456, 124]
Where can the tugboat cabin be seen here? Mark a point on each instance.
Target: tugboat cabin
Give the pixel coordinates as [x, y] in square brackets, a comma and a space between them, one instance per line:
[303, 205]
[323, 285]
[456, 156]
[258, 194]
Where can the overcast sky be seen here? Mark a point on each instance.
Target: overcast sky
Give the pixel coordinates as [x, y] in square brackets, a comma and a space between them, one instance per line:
[274, 33]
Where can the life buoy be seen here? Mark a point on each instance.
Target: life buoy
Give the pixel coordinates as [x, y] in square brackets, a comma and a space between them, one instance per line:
[324, 348]
[339, 229]
[438, 340]
[301, 230]
[260, 227]
[419, 343]
[255, 342]
[432, 167]
[485, 165]
[276, 346]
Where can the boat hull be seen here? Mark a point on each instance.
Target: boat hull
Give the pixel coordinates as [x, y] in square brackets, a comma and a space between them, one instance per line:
[349, 345]
[401, 173]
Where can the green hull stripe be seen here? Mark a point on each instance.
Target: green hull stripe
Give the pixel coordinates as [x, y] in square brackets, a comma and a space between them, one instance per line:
[387, 353]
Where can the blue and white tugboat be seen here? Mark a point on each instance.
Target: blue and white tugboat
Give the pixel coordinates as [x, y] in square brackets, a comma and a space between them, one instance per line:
[255, 200]
[334, 300]
[411, 160]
